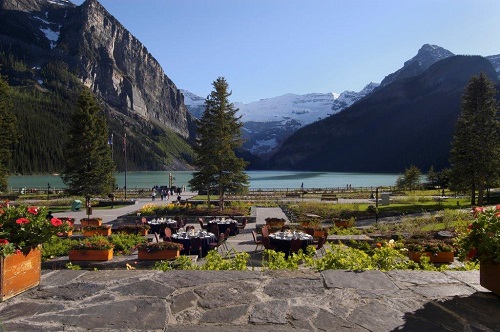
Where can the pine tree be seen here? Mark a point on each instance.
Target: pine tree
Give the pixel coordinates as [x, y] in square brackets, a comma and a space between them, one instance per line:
[218, 136]
[89, 167]
[475, 152]
[432, 177]
[8, 133]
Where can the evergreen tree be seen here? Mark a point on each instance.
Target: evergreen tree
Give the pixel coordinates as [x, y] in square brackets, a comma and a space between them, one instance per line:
[412, 177]
[89, 167]
[432, 177]
[475, 152]
[218, 136]
[8, 133]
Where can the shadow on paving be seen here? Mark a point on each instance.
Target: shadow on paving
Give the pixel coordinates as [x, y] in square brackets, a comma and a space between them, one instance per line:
[477, 312]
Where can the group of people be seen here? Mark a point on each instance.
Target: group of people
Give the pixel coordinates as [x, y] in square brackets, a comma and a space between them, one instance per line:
[165, 193]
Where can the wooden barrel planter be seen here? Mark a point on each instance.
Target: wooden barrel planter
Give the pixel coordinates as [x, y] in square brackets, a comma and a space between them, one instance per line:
[90, 255]
[20, 272]
[439, 257]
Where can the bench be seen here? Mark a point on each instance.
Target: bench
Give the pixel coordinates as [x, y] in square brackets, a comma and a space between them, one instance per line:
[329, 197]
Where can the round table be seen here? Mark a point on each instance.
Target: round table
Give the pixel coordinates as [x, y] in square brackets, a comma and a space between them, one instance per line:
[159, 225]
[225, 224]
[282, 240]
[184, 238]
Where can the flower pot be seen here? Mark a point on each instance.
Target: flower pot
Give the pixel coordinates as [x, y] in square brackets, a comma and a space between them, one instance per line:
[65, 234]
[489, 276]
[91, 222]
[91, 255]
[439, 257]
[144, 255]
[20, 272]
[344, 224]
[92, 232]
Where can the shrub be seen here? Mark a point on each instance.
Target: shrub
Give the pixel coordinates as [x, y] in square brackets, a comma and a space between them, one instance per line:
[126, 243]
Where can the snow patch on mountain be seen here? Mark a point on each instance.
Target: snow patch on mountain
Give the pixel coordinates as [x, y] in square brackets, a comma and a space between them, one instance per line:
[495, 61]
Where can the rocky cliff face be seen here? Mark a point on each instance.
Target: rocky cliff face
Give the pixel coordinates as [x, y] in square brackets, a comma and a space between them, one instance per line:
[116, 66]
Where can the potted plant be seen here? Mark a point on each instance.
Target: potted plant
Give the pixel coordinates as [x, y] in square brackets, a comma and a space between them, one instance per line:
[22, 230]
[104, 230]
[437, 251]
[346, 223]
[480, 242]
[275, 222]
[95, 248]
[91, 222]
[139, 229]
[158, 250]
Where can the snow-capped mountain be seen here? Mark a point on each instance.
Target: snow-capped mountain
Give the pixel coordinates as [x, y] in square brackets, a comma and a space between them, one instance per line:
[495, 61]
[268, 122]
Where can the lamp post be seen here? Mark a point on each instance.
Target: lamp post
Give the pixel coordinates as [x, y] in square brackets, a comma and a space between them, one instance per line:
[376, 204]
[48, 189]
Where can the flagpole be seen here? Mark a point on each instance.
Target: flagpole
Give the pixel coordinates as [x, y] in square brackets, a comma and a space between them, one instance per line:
[125, 154]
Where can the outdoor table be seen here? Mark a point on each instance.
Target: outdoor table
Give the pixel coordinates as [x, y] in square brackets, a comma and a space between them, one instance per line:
[282, 240]
[184, 238]
[224, 224]
[159, 225]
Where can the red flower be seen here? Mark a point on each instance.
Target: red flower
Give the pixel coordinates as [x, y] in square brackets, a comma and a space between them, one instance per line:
[472, 253]
[470, 227]
[379, 245]
[33, 210]
[2, 212]
[4, 241]
[21, 221]
[18, 252]
[56, 222]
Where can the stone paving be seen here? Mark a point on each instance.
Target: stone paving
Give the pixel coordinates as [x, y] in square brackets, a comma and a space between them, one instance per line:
[304, 300]
[111, 299]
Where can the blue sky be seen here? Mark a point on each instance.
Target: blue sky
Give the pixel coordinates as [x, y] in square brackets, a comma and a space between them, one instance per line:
[267, 48]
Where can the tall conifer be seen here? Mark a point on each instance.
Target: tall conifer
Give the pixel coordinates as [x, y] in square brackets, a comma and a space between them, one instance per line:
[8, 133]
[218, 136]
[89, 167]
[475, 153]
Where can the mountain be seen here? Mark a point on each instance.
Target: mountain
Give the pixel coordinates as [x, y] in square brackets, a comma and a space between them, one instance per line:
[495, 61]
[44, 43]
[409, 121]
[268, 122]
[427, 55]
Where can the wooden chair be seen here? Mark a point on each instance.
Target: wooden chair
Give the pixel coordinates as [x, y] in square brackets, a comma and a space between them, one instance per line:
[202, 223]
[233, 229]
[321, 244]
[219, 243]
[168, 235]
[213, 228]
[243, 224]
[258, 242]
[266, 241]
[295, 245]
[196, 246]
[190, 227]
[226, 236]
[265, 231]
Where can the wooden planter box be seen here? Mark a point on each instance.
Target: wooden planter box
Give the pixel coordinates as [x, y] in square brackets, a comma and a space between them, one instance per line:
[440, 257]
[141, 231]
[92, 232]
[344, 224]
[91, 222]
[143, 255]
[20, 272]
[91, 255]
[489, 276]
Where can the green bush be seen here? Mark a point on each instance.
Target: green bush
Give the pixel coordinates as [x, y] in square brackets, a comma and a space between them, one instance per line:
[126, 243]
[56, 247]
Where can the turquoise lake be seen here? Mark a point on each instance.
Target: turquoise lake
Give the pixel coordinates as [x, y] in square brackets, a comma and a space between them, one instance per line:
[258, 179]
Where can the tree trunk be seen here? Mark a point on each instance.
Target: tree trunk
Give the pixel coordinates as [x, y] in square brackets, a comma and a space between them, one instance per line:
[480, 194]
[473, 195]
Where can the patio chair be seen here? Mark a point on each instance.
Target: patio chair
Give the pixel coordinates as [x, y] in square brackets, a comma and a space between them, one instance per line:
[196, 246]
[233, 229]
[265, 231]
[226, 236]
[216, 245]
[243, 224]
[190, 227]
[168, 235]
[202, 223]
[213, 228]
[321, 245]
[266, 241]
[295, 245]
[258, 242]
